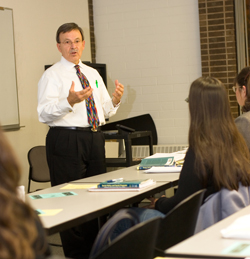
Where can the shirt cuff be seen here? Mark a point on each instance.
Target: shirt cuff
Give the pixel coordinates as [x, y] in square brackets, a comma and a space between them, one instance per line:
[65, 106]
[117, 105]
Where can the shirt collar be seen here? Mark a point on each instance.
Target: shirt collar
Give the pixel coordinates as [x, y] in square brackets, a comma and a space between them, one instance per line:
[69, 64]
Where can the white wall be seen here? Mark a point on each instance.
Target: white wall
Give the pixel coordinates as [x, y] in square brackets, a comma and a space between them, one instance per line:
[35, 26]
[153, 48]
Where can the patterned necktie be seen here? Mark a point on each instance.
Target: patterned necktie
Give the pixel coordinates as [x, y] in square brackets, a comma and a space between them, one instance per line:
[90, 103]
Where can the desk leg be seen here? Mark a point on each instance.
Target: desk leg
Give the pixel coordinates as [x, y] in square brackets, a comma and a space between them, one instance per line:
[102, 220]
[128, 148]
[150, 139]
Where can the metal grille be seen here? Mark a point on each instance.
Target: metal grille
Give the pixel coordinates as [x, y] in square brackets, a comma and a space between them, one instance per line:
[143, 151]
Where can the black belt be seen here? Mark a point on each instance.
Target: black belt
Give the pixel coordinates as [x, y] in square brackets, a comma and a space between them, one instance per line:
[89, 129]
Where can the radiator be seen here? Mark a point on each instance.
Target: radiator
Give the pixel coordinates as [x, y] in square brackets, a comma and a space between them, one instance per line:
[143, 151]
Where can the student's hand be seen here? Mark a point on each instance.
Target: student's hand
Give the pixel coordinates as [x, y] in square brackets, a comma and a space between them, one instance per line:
[152, 204]
[77, 97]
[118, 93]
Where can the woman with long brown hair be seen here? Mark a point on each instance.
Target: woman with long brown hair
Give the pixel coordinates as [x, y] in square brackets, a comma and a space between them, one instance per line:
[217, 156]
[21, 233]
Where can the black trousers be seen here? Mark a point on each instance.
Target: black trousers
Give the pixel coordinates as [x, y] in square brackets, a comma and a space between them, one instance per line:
[73, 155]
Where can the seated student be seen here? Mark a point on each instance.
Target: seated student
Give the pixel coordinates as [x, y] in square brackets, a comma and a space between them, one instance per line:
[21, 233]
[217, 156]
[242, 91]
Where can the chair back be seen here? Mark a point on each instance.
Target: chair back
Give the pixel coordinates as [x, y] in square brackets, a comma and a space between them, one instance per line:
[179, 223]
[137, 242]
[222, 204]
[38, 170]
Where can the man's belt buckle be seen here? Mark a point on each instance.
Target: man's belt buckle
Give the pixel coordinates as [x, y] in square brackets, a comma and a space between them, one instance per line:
[94, 130]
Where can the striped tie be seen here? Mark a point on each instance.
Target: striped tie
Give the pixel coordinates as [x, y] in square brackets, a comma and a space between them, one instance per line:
[90, 103]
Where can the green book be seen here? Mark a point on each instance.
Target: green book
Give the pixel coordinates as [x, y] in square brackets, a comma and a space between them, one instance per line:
[147, 163]
[137, 183]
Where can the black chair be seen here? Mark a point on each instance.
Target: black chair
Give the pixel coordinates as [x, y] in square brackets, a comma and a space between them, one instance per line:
[137, 242]
[39, 170]
[179, 224]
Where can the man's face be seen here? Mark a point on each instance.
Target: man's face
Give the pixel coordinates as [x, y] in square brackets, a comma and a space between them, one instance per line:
[71, 45]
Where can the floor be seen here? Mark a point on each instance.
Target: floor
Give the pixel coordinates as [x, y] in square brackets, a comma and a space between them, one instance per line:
[55, 239]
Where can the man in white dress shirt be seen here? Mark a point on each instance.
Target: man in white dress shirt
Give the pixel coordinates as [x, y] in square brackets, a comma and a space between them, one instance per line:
[74, 148]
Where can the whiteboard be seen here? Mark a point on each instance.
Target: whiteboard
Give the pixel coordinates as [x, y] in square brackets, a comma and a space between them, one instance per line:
[9, 112]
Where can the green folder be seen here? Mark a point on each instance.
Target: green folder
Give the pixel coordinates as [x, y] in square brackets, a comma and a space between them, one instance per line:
[147, 163]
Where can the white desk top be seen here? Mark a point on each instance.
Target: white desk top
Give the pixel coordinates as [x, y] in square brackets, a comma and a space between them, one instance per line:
[87, 205]
[84, 206]
[132, 173]
[209, 241]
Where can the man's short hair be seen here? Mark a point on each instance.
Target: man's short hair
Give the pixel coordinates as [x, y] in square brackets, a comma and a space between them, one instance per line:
[67, 27]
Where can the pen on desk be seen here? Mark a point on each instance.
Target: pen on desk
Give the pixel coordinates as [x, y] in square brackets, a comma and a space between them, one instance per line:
[115, 180]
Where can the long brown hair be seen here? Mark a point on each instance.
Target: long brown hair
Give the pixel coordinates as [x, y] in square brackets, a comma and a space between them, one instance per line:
[17, 225]
[218, 146]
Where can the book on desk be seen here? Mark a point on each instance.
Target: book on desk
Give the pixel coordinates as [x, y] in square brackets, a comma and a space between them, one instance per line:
[123, 185]
[163, 162]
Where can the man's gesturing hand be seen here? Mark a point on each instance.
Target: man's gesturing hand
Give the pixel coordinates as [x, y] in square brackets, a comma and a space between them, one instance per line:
[77, 97]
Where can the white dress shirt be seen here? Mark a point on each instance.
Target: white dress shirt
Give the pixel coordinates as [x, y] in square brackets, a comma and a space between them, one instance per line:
[53, 90]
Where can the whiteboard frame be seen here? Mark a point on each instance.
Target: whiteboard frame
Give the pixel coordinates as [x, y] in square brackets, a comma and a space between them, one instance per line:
[15, 124]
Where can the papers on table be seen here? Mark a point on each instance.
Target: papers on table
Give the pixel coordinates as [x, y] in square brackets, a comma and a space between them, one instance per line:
[163, 162]
[79, 186]
[51, 195]
[48, 212]
[239, 229]
[165, 169]
[241, 249]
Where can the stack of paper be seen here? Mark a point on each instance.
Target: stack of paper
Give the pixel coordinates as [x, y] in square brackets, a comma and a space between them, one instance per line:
[124, 185]
[240, 228]
[159, 169]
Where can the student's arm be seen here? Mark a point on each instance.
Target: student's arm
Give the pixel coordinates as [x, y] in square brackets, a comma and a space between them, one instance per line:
[189, 183]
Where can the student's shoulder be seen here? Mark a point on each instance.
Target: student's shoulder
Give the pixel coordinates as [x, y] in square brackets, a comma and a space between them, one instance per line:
[244, 118]
[190, 153]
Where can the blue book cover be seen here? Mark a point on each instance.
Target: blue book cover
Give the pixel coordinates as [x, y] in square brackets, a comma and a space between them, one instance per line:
[137, 183]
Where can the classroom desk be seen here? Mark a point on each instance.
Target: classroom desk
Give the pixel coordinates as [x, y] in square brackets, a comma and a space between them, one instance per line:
[86, 205]
[132, 173]
[209, 243]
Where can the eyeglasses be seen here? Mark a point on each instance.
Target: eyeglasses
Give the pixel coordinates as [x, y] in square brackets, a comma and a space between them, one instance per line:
[69, 42]
[234, 88]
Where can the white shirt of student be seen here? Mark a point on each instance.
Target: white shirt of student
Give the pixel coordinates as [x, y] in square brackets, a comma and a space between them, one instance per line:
[53, 90]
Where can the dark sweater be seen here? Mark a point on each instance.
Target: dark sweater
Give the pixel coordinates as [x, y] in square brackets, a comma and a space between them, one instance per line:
[188, 184]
